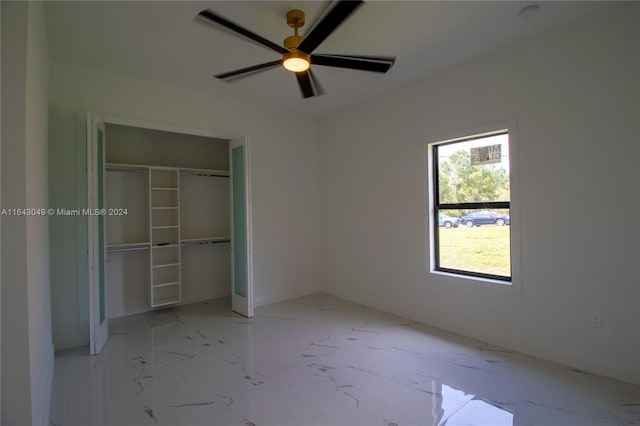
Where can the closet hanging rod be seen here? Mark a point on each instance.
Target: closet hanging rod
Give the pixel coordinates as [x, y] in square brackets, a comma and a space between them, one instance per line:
[114, 249]
[207, 173]
[124, 169]
[202, 243]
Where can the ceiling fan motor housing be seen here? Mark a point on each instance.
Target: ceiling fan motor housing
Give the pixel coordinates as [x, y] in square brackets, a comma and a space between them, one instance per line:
[292, 42]
[295, 18]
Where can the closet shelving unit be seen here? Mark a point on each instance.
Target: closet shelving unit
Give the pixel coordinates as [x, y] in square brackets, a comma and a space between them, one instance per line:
[162, 234]
[164, 228]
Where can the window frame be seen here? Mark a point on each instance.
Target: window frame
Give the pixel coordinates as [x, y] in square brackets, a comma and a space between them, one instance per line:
[447, 276]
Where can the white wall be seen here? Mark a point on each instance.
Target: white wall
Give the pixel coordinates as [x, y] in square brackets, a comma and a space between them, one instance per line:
[575, 96]
[15, 339]
[27, 351]
[0, 208]
[284, 166]
[37, 194]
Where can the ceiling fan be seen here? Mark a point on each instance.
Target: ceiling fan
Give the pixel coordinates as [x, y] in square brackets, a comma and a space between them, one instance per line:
[297, 53]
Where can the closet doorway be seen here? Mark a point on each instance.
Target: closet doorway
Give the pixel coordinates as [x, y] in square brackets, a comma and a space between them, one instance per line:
[169, 219]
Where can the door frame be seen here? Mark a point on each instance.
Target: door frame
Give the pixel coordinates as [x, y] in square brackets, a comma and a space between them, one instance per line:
[110, 119]
[96, 243]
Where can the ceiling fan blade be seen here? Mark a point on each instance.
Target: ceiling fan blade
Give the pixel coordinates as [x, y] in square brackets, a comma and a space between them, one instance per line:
[211, 17]
[246, 72]
[364, 63]
[372, 58]
[329, 23]
[316, 83]
[307, 84]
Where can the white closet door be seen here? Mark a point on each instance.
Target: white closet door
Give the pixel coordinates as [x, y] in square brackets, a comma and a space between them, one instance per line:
[99, 324]
[241, 240]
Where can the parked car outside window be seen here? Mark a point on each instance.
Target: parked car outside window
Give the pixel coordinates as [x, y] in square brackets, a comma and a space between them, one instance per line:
[485, 217]
[448, 221]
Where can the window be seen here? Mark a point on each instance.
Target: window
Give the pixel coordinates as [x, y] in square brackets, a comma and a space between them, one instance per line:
[471, 206]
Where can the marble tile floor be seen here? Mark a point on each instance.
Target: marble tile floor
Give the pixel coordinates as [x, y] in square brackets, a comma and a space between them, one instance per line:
[318, 360]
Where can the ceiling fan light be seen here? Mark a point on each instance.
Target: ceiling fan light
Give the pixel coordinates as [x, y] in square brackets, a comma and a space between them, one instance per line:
[296, 61]
[296, 64]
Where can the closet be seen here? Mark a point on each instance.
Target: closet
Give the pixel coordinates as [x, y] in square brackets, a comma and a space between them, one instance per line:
[168, 223]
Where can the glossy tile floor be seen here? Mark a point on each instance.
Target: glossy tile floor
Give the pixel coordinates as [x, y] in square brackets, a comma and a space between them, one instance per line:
[318, 360]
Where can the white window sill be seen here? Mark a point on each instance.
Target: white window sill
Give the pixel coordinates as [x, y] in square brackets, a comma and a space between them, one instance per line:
[449, 278]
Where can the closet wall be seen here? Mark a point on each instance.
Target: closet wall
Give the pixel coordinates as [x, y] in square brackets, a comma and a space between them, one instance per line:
[200, 196]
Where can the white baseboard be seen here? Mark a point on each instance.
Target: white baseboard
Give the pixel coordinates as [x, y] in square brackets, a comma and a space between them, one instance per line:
[285, 295]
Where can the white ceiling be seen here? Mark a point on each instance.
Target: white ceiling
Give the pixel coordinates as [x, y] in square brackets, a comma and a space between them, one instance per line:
[160, 41]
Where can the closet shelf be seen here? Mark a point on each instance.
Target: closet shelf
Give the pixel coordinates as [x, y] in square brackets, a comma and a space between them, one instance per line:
[204, 172]
[164, 208]
[164, 302]
[124, 167]
[164, 188]
[165, 227]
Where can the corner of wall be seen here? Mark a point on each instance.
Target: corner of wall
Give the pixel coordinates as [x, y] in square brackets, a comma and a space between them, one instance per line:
[284, 295]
